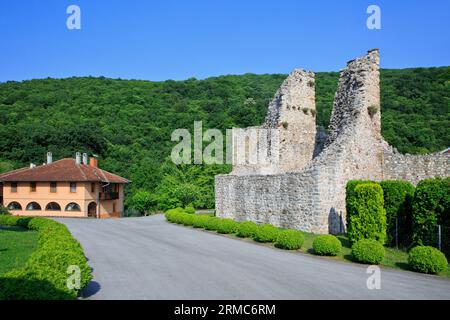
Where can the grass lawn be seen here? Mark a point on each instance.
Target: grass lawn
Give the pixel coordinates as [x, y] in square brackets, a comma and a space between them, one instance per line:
[16, 246]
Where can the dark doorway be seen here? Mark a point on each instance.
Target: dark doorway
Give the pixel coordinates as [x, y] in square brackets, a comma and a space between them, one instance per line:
[92, 210]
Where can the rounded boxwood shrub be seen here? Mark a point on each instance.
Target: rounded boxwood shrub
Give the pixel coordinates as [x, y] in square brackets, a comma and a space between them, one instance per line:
[200, 220]
[289, 239]
[427, 259]
[368, 251]
[227, 226]
[266, 233]
[212, 223]
[187, 219]
[327, 245]
[246, 229]
[190, 210]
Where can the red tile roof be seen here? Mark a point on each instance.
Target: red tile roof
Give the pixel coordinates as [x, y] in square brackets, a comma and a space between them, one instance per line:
[62, 170]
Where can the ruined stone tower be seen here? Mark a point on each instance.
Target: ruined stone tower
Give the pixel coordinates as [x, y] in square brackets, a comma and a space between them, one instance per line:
[287, 138]
[303, 189]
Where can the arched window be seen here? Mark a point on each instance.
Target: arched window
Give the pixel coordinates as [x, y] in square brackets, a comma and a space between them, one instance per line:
[73, 207]
[53, 206]
[33, 206]
[14, 206]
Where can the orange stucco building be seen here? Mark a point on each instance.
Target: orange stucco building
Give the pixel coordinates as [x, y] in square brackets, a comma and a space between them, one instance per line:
[64, 188]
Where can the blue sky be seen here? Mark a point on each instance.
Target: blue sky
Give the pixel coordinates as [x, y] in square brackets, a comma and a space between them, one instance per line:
[166, 39]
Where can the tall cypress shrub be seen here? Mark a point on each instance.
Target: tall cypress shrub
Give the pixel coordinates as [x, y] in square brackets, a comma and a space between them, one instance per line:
[366, 214]
[431, 207]
[350, 192]
[397, 202]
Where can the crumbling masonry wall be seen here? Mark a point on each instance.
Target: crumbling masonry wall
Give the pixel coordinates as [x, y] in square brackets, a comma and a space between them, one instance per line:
[309, 193]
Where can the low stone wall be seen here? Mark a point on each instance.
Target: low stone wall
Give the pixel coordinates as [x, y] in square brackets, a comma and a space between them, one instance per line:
[284, 200]
[415, 167]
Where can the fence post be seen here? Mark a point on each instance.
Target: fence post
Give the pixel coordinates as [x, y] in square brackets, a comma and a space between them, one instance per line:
[439, 237]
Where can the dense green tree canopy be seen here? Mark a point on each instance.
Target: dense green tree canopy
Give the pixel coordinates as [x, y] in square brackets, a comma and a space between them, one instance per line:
[128, 123]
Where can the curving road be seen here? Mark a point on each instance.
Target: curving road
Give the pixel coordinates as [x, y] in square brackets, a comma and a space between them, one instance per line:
[149, 258]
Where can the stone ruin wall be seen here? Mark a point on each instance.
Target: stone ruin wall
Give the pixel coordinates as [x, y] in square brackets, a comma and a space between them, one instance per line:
[292, 113]
[311, 197]
[414, 168]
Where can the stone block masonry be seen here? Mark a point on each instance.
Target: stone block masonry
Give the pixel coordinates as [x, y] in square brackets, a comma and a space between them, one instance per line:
[305, 187]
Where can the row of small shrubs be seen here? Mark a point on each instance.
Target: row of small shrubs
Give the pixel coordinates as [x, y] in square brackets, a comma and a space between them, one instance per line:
[45, 274]
[423, 259]
[265, 233]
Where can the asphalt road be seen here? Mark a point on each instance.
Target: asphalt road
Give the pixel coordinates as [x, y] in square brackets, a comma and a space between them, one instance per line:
[149, 258]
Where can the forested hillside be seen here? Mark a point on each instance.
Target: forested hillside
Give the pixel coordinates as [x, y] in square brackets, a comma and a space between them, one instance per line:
[128, 123]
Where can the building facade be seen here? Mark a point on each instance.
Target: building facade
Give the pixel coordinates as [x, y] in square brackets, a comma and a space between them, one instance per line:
[64, 188]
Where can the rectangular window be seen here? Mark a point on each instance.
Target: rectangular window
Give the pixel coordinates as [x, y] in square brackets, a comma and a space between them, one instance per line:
[32, 186]
[13, 187]
[53, 187]
[73, 187]
[92, 187]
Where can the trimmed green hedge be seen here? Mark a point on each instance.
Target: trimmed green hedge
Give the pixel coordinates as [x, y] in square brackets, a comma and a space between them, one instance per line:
[266, 233]
[431, 207]
[327, 245]
[427, 259]
[368, 251]
[246, 229]
[289, 239]
[190, 210]
[397, 202]
[227, 226]
[366, 214]
[212, 224]
[350, 191]
[45, 276]
[200, 221]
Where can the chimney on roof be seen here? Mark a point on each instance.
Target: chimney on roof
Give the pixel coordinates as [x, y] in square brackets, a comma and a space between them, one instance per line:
[78, 158]
[93, 162]
[85, 158]
[49, 157]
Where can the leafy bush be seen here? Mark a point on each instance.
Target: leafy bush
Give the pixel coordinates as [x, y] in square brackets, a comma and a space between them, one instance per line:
[187, 219]
[266, 233]
[289, 239]
[246, 229]
[200, 221]
[212, 223]
[3, 210]
[431, 206]
[227, 226]
[142, 201]
[189, 209]
[366, 213]
[397, 203]
[427, 259]
[327, 245]
[45, 273]
[368, 251]
[174, 215]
